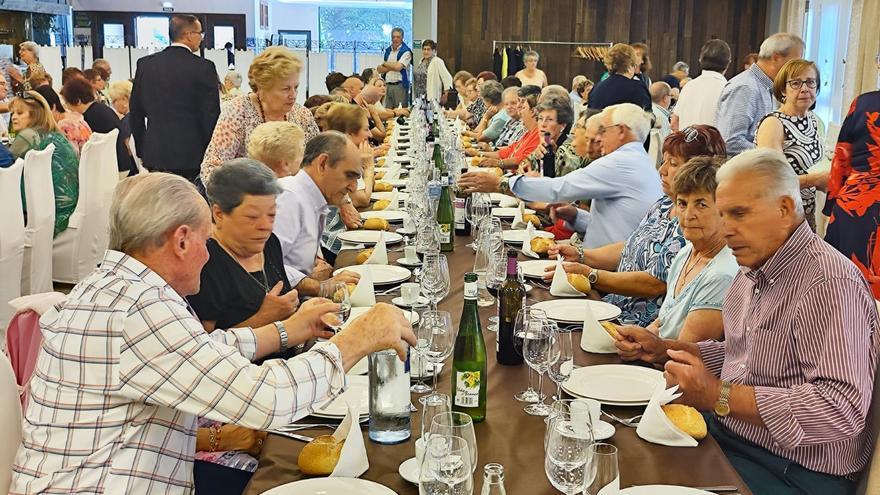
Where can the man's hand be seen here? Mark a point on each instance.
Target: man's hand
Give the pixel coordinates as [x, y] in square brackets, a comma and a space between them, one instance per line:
[308, 322]
[350, 217]
[569, 267]
[471, 151]
[382, 327]
[347, 277]
[322, 270]
[276, 307]
[472, 182]
[568, 252]
[566, 212]
[491, 111]
[637, 344]
[700, 388]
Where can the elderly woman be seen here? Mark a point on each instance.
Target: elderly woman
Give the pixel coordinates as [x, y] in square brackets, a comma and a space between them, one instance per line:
[430, 76]
[120, 97]
[279, 146]
[95, 77]
[29, 53]
[582, 89]
[385, 113]
[634, 273]
[35, 129]
[365, 99]
[513, 129]
[231, 85]
[461, 97]
[274, 78]
[532, 74]
[477, 107]
[621, 86]
[513, 154]
[554, 156]
[70, 123]
[495, 118]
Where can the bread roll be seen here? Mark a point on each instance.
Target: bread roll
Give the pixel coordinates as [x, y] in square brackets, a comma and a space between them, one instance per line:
[609, 327]
[379, 175]
[498, 171]
[579, 281]
[381, 204]
[540, 245]
[363, 256]
[382, 187]
[475, 161]
[533, 219]
[319, 457]
[687, 419]
[376, 224]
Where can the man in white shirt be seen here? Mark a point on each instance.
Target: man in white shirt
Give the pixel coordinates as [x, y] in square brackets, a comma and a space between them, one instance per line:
[331, 168]
[698, 101]
[661, 98]
[395, 71]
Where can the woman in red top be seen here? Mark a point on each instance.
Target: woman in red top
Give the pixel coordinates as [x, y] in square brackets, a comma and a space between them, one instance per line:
[511, 156]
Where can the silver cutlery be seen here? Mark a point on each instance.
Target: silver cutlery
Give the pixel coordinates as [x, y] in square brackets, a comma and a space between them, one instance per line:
[294, 436]
[631, 422]
[717, 489]
[291, 428]
[388, 291]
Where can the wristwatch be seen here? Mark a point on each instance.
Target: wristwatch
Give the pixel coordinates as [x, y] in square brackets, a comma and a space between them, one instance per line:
[282, 333]
[504, 185]
[722, 407]
[593, 277]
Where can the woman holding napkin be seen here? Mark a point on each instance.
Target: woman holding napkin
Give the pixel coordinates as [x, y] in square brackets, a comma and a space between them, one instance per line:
[633, 274]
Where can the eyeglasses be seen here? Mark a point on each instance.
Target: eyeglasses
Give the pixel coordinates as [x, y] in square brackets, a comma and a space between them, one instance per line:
[200, 33]
[604, 128]
[798, 83]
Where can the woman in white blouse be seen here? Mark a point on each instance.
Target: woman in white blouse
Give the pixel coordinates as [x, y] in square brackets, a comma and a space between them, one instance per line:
[532, 75]
[430, 76]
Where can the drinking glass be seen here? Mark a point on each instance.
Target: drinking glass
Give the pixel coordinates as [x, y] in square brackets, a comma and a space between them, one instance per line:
[569, 454]
[433, 405]
[436, 338]
[417, 360]
[478, 206]
[561, 357]
[606, 475]
[536, 349]
[435, 278]
[338, 293]
[523, 319]
[456, 424]
[496, 272]
[446, 467]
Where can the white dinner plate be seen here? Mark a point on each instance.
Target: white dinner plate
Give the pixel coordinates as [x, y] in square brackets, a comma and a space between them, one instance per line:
[509, 212]
[355, 312]
[361, 368]
[391, 216]
[327, 486]
[572, 310]
[517, 236]
[357, 393]
[409, 262]
[398, 301]
[662, 490]
[398, 183]
[503, 200]
[382, 274]
[376, 196]
[619, 383]
[603, 431]
[535, 268]
[409, 470]
[368, 237]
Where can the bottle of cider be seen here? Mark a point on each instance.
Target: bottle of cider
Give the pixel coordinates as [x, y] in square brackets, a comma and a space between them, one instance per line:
[469, 358]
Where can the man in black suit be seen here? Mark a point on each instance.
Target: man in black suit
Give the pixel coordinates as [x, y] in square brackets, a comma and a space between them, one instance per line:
[175, 102]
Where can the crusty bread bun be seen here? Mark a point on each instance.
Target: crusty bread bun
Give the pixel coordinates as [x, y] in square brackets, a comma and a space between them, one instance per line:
[687, 419]
[533, 219]
[609, 327]
[363, 256]
[382, 187]
[475, 161]
[379, 175]
[579, 281]
[376, 224]
[381, 204]
[540, 245]
[498, 171]
[319, 457]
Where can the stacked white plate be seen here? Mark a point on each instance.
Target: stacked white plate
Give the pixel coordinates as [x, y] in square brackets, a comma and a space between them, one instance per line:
[509, 212]
[572, 310]
[503, 200]
[535, 268]
[662, 490]
[369, 237]
[382, 274]
[376, 196]
[357, 393]
[517, 236]
[323, 486]
[391, 216]
[614, 384]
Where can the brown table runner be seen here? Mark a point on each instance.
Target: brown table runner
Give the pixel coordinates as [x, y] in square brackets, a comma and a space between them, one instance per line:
[510, 436]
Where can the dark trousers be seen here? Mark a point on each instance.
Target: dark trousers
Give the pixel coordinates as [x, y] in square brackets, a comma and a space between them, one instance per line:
[769, 474]
[214, 479]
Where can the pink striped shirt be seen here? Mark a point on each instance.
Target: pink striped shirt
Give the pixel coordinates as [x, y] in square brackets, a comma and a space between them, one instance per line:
[802, 330]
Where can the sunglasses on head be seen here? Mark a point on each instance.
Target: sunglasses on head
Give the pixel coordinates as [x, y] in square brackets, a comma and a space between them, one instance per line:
[690, 134]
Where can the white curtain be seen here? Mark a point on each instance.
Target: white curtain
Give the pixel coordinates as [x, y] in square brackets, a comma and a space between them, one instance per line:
[862, 48]
[345, 63]
[791, 18]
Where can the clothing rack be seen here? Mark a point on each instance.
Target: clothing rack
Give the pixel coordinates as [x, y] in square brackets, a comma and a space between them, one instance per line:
[591, 50]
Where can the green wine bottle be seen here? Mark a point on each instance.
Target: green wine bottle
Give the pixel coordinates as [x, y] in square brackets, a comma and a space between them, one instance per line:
[446, 217]
[439, 163]
[510, 301]
[469, 382]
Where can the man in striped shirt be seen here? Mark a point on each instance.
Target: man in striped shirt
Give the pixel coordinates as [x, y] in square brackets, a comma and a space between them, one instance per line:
[791, 384]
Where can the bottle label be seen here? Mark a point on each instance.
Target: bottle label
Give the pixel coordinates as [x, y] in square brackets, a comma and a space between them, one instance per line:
[445, 233]
[459, 213]
[470, 290]
[467, 388]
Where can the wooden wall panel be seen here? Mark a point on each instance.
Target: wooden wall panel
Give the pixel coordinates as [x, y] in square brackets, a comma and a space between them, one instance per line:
[674, 30]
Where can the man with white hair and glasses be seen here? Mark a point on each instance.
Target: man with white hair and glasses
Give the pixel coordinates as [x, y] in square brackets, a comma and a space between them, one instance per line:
[789, 388]
[125, 368]
[748, 97]
[623, 184]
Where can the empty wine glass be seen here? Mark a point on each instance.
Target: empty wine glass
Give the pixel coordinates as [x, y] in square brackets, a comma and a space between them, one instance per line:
[446, 467]
[432, 405]
[418, 362]
[436, 338]
[496, 273]
[561, 357]
[569, 453]
[435, 278]
[606, 473]
[536, 351]
[338, 293]
[478, 206]
[457, 424]
[523, 319]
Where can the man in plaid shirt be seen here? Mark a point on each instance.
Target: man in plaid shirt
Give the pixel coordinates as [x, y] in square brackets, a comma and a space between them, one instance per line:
[125, 368]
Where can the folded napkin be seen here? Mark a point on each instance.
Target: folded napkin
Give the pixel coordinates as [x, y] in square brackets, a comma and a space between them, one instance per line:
[380, 252]
[656, 427]
[364, 295]
[518, 222]
[394, 204]
[351, 245]
[507, 201]
[393, 172]
[594, 338]
[527, 243]
[39, 303]
[353, 460]
[560, 287]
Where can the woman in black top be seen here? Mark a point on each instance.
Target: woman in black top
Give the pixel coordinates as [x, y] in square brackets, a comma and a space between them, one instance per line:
[622, 86]
[80, 97]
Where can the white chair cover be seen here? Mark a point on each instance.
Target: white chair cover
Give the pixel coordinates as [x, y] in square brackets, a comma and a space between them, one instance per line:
[655, 147]
[10, 421]
[36, 272]
[11, 241]
[79, 249]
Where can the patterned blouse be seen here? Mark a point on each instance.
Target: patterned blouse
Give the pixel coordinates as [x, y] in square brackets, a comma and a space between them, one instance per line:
[75, 129]
[512, 132]
[651, 248]
[477, 108]
[238, 118]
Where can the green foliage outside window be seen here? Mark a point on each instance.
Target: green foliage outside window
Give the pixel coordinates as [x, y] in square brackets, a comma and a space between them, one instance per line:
[369, 27]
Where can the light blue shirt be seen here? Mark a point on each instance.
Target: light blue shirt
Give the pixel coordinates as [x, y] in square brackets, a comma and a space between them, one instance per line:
[496, 125]
[299, 221]
[622, 185]
[744, 101]
[706, 291]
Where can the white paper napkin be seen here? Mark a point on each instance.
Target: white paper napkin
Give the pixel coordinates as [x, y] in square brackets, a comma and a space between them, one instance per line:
[393, 172]
[594, 338]
[656, 427]
[380, 252]
[394, 204]
[507, 201]
[351, 245]
[353, 460]
[364, 295]
[527, 242]
[517, 222]
[560, 287]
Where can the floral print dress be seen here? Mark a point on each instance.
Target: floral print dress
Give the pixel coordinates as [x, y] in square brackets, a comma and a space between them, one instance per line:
[75, 129]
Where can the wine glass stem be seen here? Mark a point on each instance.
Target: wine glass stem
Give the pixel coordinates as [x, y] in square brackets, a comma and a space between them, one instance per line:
[436, 365]
[558, 391]
[540, 388]
[531, 382]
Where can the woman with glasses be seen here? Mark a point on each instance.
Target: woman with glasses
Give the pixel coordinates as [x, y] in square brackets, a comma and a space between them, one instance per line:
[794, 129]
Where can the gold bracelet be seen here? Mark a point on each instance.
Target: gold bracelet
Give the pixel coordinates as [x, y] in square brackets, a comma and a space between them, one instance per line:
[213, 438]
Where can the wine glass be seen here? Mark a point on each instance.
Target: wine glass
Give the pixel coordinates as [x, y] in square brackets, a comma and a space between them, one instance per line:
[536, 349]
[435, 278]
[433, 405]
[569, 453]
[417, 361]
[496, 272]
[606, 473]
[338, 293]
[446, 467]
[456, 424]
[523, 320]
[561, 357]
[436, 339]
[478, 206]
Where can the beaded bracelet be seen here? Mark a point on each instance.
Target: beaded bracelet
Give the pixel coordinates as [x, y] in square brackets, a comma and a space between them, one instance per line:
[213, 438]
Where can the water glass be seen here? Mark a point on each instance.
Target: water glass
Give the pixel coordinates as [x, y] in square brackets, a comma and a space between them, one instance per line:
[418, 363]
[569, 454]
[433, 405]
[496, 273]
[456, 424]
[435, 278]
[338, 293]
[523, 319]
[561, 357]
[536, 351]
[446, 467]
[436, 338]
[606, 475]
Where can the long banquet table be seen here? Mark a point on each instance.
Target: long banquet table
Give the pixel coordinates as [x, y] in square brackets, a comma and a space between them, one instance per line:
[509, 436]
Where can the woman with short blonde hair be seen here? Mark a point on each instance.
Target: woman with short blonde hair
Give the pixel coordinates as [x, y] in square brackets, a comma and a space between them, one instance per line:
[622, 85]
[279, 145]
[120, 96]
[274, 79]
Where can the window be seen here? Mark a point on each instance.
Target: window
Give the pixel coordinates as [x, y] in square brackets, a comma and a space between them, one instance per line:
[223, 35]
[152, 32]
[825, 34]
[114, 35]
[370, 27]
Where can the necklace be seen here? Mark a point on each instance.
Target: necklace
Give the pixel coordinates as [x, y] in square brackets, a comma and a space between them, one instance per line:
[687, 270]
[264, 284]
[260, 108]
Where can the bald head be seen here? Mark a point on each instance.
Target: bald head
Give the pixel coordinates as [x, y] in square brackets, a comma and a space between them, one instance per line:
[353, 85]
[661, 94]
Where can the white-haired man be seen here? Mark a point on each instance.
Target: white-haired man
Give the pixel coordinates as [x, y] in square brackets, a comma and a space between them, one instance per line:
[622, 185]
[748, 97]
[125, 368]
[790, 385]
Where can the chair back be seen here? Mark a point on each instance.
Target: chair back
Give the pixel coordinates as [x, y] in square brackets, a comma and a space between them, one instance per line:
[655, 147]
[11, 240]
[36, 273]
[10, 422]
[869, 484]
[23, 341]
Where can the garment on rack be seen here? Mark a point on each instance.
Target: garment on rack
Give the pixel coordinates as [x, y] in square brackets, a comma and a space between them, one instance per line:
[504, 63]
[518, 63]
[497, 62]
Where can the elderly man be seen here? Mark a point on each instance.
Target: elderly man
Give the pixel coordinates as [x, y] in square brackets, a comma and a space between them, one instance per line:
[698, 102]
[661, 99]
[791, 384]
[622, 185]
[573, 94]
[125, 368]
[353, 85]
[395, 70]
[748, 97]
[330, 170]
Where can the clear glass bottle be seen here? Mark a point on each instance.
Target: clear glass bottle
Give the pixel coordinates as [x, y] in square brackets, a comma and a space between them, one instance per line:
[389, 398]
[493, 479]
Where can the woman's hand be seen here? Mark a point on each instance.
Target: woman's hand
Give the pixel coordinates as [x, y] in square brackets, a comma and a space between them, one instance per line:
[568, 267]
[568, 252]
[277, 307]
[309, 321]
[241, 439]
